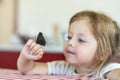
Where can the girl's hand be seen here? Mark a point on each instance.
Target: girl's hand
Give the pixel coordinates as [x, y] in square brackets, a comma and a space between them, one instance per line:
[32, 50]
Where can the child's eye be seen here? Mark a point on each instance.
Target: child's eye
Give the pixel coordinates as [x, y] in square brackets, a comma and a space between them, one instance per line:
[80, 40]
[68, 37]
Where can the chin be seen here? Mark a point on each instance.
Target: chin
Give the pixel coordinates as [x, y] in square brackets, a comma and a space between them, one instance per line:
[70, 61]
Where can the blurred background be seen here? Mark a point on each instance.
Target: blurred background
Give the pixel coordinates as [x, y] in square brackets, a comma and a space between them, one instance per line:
[24, 19]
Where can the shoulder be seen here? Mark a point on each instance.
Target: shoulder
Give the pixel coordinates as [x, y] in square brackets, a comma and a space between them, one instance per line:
[113, 74]
[109, 68]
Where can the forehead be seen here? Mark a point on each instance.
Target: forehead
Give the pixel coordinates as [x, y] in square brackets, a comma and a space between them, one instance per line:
[80, 26]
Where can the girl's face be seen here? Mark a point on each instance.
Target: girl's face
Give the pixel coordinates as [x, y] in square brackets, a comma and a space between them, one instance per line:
[80, 48]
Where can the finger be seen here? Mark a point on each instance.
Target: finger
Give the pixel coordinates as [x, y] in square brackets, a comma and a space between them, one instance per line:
[25, 50]
[37, 49]
[29, 42]
[41, 51]
[34, 57]
[39, 56]
[32, 45]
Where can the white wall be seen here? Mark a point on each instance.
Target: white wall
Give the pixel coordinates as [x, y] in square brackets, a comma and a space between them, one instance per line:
[41, 15]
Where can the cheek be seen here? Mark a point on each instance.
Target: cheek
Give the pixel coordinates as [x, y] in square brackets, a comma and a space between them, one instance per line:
[86, 52]
[65, 46]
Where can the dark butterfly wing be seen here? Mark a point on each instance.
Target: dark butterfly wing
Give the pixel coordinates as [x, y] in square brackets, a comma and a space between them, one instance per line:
[40, 39]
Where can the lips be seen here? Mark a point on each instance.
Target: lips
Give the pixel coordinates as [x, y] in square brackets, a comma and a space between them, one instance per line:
[69, 52]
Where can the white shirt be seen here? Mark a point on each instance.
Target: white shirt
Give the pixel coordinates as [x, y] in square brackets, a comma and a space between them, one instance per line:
[63, 68]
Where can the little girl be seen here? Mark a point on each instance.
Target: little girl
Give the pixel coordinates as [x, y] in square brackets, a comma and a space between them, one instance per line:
[92, 40]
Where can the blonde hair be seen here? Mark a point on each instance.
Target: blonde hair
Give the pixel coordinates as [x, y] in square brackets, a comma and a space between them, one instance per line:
[105, 31]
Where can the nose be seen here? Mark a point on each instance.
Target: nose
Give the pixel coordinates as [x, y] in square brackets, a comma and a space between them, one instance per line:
[71, 42]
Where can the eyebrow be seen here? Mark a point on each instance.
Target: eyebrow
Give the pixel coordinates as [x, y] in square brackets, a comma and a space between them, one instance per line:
[82, 34]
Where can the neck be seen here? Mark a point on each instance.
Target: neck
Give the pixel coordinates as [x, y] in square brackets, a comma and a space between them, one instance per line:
[82, 70]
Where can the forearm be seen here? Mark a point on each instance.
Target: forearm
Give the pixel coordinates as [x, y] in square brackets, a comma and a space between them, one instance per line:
[24, 65]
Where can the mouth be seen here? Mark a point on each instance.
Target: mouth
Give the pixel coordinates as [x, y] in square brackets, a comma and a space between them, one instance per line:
[69, 52]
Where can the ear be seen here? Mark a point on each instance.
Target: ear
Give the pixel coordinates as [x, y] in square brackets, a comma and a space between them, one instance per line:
[106, 54]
